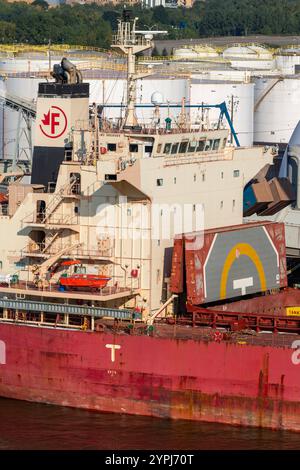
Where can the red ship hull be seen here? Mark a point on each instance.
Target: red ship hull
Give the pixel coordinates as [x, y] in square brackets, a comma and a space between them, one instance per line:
[175, 378]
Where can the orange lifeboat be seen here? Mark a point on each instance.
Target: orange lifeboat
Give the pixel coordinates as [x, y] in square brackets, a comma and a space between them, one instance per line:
[84, 280]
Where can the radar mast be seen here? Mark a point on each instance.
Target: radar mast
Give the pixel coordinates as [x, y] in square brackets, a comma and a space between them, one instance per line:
[130, 42]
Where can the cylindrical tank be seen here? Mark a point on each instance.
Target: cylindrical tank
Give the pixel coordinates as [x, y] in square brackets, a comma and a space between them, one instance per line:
[277, 109]
[113, 92]
[197, 51]
[25, 88]
[287, 59]
[252, 57]
[185, 53]
[238, 97]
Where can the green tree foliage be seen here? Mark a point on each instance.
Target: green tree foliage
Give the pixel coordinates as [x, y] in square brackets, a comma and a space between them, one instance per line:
[92, 25]
[7, 31]
[40, 3]
[78, 24]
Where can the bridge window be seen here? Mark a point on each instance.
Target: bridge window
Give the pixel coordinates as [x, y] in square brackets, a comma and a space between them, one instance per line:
[167, 148]
[201, 145]
[174, 148]
[192, 146]
[111, 147]
[208, 145]
[108, 177]
[216, 144]
[183, 147]
[133, 148]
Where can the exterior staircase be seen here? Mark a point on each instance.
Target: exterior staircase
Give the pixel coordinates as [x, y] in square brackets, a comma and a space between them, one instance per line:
[57, 199]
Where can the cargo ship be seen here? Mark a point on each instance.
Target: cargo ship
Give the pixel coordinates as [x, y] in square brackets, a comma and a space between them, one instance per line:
[192, 316]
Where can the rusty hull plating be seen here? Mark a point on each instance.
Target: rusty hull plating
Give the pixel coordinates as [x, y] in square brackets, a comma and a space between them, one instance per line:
[250, 385]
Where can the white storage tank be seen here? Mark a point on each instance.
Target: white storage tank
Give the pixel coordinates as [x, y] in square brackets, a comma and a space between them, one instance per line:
[31, 63]
[287, 59]
[254, 57]
[172, 90]
[204, 50]
[277, 109]
[25, 88]
[185, 53]
[238, 97]
[196, 51]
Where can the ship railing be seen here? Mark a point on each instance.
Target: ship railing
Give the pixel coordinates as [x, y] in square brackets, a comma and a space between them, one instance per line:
[52, 286]
[108, 64]
[129, 39]
[148, 129]
[70, 188]
[52, 314]
[36, 248]
[66, 189]
[17, 48]
[90, 253]
[56, 219]
[196, 157]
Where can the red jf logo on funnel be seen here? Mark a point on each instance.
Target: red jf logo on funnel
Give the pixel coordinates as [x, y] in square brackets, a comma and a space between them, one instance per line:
[54, 123]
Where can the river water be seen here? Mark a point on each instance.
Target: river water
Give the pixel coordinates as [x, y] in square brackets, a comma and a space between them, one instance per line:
[33, 426]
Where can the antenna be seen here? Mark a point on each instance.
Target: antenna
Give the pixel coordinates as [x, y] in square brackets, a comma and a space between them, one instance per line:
[130, 42]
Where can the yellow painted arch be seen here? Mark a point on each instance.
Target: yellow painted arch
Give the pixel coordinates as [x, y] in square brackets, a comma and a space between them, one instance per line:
[246, 250]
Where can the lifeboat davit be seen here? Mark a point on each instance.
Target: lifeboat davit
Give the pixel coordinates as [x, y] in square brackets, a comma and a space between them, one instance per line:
[84, 280]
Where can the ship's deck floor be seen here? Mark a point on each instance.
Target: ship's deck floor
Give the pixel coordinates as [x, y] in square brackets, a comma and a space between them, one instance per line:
[186, 332]
[55, 291]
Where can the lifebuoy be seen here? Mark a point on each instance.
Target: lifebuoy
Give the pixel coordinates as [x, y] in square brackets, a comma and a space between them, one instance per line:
[103, 150]
[218, 336]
